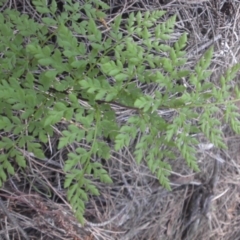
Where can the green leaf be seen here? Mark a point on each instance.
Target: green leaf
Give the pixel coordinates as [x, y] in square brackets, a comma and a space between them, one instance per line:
[42, 10]
[21, 161]
[71, 190]
[45, 61]
[110, 97]
[3, 175]
[5, 123]
[51, 74]
[53, 118]
[53, 7]
[92, 189]
[106, 179]
[49, 21]
[106, 67]
[9, 168]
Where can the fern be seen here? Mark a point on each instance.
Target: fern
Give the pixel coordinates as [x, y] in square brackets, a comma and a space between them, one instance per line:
[102, 74]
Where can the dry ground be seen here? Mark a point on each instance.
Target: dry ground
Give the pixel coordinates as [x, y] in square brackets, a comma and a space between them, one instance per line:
[136, 207]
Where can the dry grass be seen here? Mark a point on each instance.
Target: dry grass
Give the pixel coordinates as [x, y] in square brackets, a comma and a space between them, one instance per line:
[135, 206]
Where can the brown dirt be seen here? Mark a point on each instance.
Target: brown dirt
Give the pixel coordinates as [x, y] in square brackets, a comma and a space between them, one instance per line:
[136, 207]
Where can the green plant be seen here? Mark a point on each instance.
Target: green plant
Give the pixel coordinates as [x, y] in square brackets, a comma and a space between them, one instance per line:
[48, 68]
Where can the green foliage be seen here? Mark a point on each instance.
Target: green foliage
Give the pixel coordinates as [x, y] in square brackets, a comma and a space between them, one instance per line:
[48, 68]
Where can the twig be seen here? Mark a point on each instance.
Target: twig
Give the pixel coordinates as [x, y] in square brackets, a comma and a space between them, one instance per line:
[215, 175]
[106, 222]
